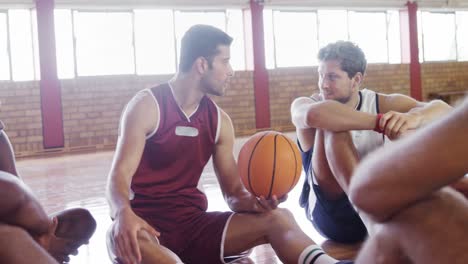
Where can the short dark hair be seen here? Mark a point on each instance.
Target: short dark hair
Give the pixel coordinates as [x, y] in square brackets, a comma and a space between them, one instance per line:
[201, 41]
[351, 57]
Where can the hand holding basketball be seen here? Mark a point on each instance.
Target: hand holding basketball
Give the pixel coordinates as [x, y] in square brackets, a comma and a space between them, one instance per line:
[269, 165]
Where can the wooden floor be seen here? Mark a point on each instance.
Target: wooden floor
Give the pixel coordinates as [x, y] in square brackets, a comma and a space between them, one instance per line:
[79, 181]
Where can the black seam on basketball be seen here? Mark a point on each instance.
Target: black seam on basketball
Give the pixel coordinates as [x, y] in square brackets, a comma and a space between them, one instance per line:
[274, 169]
[295, 164]
[250, 161]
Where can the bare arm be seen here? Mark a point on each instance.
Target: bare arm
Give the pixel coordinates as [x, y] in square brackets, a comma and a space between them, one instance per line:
[403, 113]
[308, 114]
[395, 177]
[19, 207]
[225, 166]
[139, 119]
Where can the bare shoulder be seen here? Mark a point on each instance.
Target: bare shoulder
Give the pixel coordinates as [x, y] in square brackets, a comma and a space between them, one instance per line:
[397, 102]
[142, 111]
[226, 128]
[306, 100]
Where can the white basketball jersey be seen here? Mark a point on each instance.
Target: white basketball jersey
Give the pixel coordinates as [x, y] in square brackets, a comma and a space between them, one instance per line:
[366, 141]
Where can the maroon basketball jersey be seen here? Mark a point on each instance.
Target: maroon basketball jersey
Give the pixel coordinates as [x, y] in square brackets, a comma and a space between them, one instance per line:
[176, 153]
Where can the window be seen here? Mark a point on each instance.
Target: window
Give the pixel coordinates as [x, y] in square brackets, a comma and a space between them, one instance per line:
[21, 44]
[235, 28]
[332, 26]
[462, 35]
[370, 37]
[154, 42]
[438, 31]
[394, 37]
[64, 43]
[4, 57]
[295, 46]
[104, 43]
[269, 39]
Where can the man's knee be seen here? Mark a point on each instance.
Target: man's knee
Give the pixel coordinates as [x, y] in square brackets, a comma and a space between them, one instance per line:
[281, 218]
[332, 137]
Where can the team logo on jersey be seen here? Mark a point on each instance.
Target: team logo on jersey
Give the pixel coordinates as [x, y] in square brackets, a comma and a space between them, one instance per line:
[185, 131]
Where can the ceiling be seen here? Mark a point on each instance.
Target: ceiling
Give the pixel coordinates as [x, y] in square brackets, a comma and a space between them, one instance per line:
[209, 4]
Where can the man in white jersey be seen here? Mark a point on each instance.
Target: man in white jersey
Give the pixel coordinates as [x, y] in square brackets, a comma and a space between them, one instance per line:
[338, 127]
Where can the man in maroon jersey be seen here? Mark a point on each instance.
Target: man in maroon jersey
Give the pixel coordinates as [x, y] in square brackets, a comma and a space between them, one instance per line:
[27, 234]
[167, 135]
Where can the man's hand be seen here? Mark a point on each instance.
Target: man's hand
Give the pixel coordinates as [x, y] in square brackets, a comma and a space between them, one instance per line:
[124, 234]
[395, 124]
[263, 205]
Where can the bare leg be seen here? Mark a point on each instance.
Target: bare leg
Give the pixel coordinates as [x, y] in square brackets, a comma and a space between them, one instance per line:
[75, 228]
[152, 251]
[322, 172]
[277, 227]
[341, 155]
[18, 247]
[430, 231]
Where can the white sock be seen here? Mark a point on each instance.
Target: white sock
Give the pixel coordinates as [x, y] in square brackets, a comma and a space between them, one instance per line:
[314, 254]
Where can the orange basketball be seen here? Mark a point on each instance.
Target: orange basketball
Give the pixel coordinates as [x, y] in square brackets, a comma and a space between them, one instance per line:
[269, 164]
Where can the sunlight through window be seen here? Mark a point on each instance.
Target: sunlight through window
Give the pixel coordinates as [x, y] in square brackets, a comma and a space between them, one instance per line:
[154, 42]
[295, 45]
[333, 26]
[438, 30]
[4, 58]
[369, 31]
[269, 39]
[235, 28]
[64, 43]
[21, 45]
[462, 35]
[104, 43]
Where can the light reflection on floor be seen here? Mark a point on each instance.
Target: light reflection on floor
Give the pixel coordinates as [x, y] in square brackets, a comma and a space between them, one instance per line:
[79, 181]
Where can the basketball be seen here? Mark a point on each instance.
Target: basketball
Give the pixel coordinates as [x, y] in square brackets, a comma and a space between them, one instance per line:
[269, 164]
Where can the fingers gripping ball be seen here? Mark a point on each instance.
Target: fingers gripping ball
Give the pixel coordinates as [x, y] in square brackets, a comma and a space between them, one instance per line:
[269, 164]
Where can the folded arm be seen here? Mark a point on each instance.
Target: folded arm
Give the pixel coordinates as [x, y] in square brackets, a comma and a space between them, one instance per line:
[395, 177]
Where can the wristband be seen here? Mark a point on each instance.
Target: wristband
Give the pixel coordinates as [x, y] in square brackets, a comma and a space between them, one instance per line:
[377, 125]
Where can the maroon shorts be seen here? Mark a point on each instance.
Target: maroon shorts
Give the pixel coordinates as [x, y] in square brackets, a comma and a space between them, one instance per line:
[194, 235]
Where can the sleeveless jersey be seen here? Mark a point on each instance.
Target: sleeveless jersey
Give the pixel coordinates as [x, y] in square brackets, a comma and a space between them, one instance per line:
[366, 141]
[175, 154]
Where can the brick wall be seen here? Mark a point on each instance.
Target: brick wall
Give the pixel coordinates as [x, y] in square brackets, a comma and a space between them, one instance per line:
[444, 76]
[20, 111]
[92, 105]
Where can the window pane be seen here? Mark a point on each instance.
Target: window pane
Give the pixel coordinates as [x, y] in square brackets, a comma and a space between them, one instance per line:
[371, 37]
[269, 40]
[295, 45]
[104, 43]
[184, 20]
[235, 28]
[420, 38]
[394, 39]
[4, 59]
[35, 38]
[21, 46]
[154, 42]
[439, 36]
[333, 26]
[462, 35]
[64, 43]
